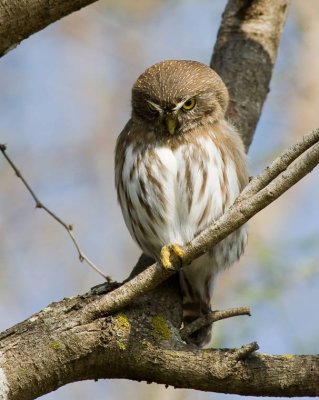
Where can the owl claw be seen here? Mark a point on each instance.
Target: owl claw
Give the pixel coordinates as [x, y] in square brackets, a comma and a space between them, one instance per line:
[171, 255]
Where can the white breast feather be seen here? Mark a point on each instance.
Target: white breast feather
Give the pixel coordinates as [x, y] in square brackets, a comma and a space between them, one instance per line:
[180, 223]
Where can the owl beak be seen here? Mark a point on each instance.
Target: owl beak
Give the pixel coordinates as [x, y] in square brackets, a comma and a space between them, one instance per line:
[170, 124]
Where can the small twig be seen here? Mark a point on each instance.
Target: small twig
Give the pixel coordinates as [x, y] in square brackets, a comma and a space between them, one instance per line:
[39, 204]
[245, 351]
[210, 318]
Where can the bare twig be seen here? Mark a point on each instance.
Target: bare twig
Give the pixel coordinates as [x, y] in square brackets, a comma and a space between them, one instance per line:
[245, 351]
[39, 204]
[210, 318]
[244, 208]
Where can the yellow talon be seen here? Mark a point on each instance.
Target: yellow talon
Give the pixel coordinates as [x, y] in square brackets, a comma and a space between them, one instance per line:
[171, 254]
[178, 250]
[165, 257]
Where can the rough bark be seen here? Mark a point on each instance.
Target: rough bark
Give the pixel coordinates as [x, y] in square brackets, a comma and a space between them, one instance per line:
[53, 348]
[21, 18]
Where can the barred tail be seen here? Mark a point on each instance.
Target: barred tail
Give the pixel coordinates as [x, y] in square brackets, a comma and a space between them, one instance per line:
[196, 286]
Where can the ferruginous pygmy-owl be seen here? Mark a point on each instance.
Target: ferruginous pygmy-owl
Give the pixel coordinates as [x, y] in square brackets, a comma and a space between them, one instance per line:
[178, 166]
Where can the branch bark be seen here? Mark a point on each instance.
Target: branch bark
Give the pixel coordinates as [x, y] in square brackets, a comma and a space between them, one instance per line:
[21, 18]
[208, 319]
[245, 54]
[52, 348]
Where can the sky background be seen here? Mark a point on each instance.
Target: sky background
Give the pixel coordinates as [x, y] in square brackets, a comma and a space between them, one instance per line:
[64, 98]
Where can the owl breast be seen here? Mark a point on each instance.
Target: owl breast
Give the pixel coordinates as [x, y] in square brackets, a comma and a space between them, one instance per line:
[170, 192]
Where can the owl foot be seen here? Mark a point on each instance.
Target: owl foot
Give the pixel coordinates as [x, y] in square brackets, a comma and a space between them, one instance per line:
[171, 255]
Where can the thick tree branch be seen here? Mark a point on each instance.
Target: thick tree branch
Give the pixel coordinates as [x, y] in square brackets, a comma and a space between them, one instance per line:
[283, 173]
[244, 56]
[51, 349]
[21, 18]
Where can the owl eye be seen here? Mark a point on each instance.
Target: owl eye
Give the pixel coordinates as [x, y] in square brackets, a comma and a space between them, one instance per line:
[189, 104]
[151, 107]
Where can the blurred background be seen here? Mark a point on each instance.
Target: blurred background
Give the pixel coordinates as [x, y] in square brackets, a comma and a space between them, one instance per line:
[64, 98]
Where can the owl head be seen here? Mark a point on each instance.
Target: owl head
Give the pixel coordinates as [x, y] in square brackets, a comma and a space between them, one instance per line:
[175, 96]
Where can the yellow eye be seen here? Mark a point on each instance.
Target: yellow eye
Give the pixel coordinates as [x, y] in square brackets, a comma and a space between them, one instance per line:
[189, 104]
[151, 106]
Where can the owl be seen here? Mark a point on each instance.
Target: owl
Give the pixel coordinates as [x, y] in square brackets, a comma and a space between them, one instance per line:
[178, 166]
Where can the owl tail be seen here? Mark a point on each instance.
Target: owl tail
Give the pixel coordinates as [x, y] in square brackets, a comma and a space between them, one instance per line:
[196, 281]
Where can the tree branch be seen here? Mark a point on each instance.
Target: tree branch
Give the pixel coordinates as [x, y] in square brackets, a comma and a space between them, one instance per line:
[245, 54]
[208, 319]
[20, 19]
[280, 164]
[51, 349]
[284, 172]
[67, 227]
